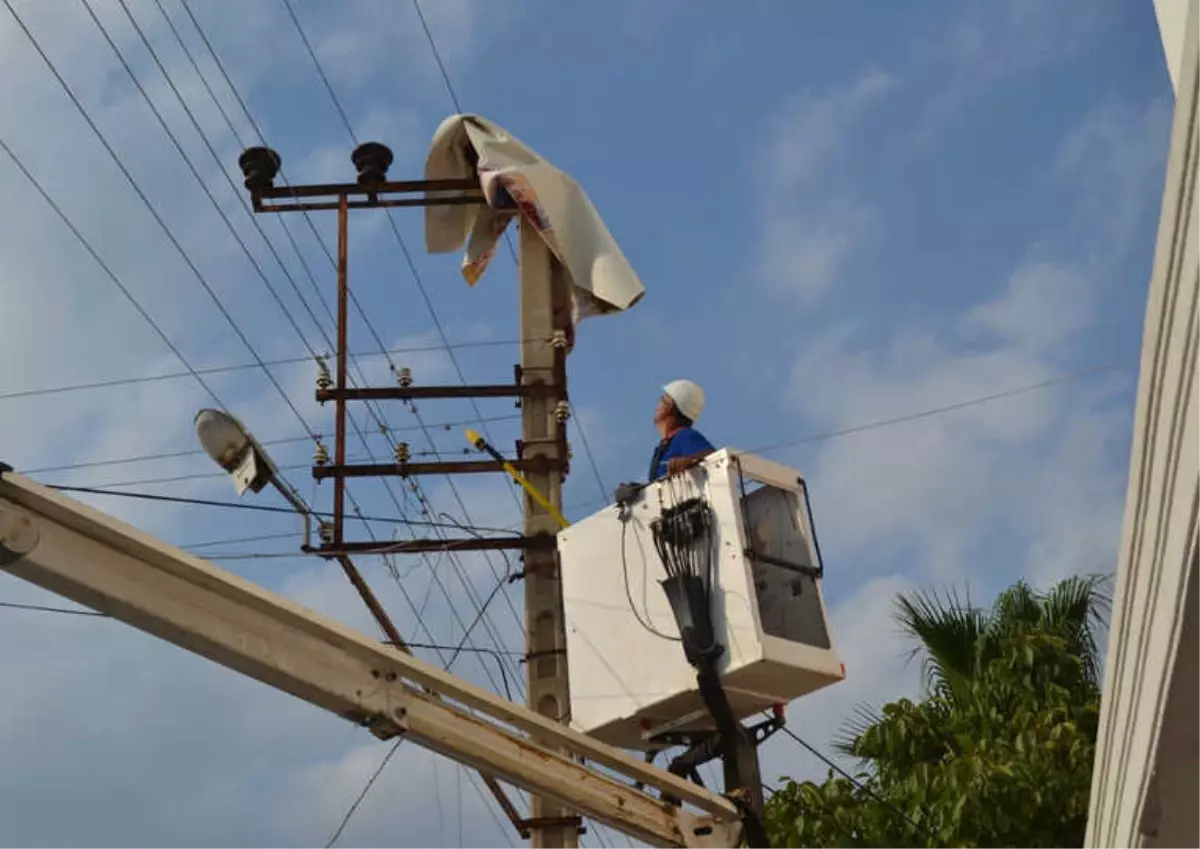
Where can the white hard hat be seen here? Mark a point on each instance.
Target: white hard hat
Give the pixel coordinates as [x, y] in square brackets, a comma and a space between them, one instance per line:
[688, 397]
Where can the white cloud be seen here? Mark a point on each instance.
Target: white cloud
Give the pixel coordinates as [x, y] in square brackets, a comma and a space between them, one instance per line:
[989, 43]
[351, 38]
[87, 693]
[806, 241]
[1029, 486]
[810, 131]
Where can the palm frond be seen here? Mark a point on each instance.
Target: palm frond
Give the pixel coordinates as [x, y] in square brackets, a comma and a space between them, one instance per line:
[863, 717]
[948, 630]
[1078, 608]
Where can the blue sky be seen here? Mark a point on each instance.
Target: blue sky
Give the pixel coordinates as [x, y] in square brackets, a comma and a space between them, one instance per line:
[842, 213]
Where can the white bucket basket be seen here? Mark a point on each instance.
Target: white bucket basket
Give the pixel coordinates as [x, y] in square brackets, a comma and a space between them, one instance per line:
[629, 679]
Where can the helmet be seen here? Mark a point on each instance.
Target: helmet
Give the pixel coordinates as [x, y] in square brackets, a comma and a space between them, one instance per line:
[688, 397]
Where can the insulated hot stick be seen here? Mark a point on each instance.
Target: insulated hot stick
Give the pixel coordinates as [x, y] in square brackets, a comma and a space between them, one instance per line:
[482, 444]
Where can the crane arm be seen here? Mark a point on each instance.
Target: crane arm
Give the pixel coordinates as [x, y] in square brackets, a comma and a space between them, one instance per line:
[91, 558]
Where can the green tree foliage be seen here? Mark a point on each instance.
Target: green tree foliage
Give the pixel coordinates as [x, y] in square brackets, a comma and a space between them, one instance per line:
[999, 750]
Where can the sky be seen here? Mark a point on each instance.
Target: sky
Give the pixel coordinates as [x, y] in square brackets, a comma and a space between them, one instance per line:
[843, 214]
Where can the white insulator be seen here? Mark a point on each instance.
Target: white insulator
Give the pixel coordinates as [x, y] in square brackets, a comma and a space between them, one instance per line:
[321, 454]
[401, 452]
[324, 380]
[404, 377]
[325, 532]
[562, 411]
[559, 340]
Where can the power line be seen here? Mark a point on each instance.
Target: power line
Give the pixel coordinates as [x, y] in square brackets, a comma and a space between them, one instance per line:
[44, 609]
[383, 426]
[232, 540]
[284, 361]
[357, 510]
[862, 787]
[433, 315]
[437, 55]
[196, 452]
[764, 449]
[934, 411]
[358, 801]
[262, 508]
[191, 372]
[149, 205]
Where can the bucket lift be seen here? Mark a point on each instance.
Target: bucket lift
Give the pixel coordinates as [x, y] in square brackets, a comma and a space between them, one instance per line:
[693, 605]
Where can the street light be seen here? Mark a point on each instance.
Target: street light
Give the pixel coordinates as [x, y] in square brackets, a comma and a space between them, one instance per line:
[234, 449]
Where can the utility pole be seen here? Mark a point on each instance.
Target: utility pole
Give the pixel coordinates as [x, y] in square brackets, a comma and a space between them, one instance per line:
[542, 455]
[544, 319]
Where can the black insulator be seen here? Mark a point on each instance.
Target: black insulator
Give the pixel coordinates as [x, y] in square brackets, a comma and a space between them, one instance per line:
[259, 166]
[372, 160]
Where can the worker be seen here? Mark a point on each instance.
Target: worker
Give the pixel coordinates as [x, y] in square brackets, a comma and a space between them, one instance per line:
[681, 446]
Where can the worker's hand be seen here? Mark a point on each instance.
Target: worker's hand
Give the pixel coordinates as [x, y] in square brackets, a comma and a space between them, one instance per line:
[676, 465]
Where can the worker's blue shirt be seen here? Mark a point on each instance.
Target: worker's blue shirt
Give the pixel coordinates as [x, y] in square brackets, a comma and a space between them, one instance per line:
[683, 443]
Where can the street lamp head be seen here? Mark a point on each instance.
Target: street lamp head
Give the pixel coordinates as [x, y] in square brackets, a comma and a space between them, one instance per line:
[234, 449]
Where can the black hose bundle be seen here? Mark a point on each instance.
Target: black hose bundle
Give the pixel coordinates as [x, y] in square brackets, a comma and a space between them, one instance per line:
[684, 537]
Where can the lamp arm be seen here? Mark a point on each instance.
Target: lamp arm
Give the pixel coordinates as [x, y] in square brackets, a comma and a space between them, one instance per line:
[303, 509]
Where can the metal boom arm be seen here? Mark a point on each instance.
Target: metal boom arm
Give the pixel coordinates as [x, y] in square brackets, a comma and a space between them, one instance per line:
[82, 554]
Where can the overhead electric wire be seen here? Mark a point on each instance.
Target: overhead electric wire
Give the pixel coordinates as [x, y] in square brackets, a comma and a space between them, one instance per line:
[117, 281]
[428, 303]
[383, 427]
[262, 508]
[391, 219]
[370, 782]
[935, 411]
[196, 452]
[437, 55]
[133, 183]
[150, 206]
[192, 546]
[366, 789]
[191, 372]
[12, 605]
[209, 370]
[862, 787]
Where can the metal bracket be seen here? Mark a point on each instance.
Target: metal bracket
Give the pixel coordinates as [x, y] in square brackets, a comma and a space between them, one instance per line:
[526, 826]
[799, 568]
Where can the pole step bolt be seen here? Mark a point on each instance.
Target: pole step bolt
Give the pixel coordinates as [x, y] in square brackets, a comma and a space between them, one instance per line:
[403, 455]
[404, 377]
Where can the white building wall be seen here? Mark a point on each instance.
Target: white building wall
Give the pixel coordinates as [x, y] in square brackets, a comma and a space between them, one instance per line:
[1144, 784]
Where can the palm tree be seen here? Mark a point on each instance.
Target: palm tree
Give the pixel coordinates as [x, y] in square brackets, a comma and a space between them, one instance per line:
[958, 640]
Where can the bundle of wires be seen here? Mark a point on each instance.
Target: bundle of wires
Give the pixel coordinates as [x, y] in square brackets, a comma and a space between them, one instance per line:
[684, 539]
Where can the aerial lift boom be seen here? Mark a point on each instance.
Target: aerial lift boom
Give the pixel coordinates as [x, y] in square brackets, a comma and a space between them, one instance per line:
[82, 554]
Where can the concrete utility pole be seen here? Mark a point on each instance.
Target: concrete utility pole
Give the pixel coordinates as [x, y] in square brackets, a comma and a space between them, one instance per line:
[544, 324]
[77, 552]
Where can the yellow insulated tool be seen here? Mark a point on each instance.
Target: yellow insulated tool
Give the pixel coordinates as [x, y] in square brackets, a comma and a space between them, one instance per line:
[482, 444]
